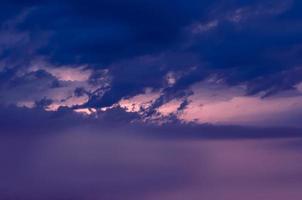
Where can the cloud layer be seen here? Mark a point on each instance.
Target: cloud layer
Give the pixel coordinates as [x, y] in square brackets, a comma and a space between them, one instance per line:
[97, 54]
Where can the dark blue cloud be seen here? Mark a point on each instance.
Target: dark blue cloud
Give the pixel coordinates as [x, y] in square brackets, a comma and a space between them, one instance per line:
[106, 31]
[244, 42]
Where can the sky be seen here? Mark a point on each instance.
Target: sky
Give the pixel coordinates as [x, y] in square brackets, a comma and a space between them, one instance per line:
[150, 99]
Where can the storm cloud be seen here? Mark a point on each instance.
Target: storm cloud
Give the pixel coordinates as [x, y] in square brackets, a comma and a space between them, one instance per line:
[150, 99]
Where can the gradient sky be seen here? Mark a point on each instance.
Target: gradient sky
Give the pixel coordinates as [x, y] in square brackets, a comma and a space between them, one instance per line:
[150, 99]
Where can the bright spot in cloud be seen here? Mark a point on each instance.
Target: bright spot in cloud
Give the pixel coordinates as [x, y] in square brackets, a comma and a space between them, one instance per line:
[72, 101]
[171, 78]
[169, 107]
[70, 74]
[65, 73]
[134, 104]
[87, 111]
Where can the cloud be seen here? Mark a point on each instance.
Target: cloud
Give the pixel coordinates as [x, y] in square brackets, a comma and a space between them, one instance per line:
[68, 73]
[212, 101]
[217, 103]
[103, 53]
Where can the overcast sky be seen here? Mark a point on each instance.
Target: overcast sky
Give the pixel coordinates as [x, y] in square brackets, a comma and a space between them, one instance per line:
[150, 99]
